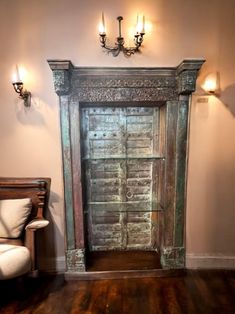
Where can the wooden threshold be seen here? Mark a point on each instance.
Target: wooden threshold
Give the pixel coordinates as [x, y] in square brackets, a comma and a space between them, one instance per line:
[122, 260]
[98, 275]
[122, 264]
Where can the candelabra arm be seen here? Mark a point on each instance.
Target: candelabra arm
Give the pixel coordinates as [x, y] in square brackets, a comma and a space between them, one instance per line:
[119, 45]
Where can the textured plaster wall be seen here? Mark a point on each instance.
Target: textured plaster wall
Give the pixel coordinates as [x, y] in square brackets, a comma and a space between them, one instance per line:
[33, 31]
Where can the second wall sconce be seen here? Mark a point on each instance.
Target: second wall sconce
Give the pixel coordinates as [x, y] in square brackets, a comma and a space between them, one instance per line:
[119, 45]
[211, 83]
[19, 88]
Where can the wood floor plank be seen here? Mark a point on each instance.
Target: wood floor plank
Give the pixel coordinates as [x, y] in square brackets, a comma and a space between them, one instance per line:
[197, 292]
[170, 299]
[155, 303]
[114, 301]
[184, 296]
[81, 296]
[219, 291]
[99, 296]
[134, 296]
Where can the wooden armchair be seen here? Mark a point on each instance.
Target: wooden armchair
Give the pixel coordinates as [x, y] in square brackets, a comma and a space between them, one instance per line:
[35, 192]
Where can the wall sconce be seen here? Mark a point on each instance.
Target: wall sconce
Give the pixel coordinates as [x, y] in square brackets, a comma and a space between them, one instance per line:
[119, 45]
[211, 83]
[19, 88]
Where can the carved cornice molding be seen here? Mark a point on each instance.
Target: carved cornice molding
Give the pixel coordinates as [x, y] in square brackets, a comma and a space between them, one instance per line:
[190, 64]
[94, 84]
[123, 82]
[124, 94]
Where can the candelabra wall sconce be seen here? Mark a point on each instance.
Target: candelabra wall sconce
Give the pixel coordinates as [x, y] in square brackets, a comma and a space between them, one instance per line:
[19, 88]
[119, 45]
[211, 84]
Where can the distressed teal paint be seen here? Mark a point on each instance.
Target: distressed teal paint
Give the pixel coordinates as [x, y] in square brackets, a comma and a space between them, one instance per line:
[181, 146]
[68, 187]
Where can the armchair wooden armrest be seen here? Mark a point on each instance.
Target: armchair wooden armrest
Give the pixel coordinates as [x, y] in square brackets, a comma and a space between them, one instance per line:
[30, 229]
[37, 223]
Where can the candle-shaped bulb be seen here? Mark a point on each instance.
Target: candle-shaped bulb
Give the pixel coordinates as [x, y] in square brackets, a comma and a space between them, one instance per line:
[143, 26]
[140, 25]
[138, 29]
[16, 76]
[102, 25]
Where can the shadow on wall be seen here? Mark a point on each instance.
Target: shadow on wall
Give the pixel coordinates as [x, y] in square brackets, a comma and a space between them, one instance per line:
[227, 96]
[47, 248]
[29, 115]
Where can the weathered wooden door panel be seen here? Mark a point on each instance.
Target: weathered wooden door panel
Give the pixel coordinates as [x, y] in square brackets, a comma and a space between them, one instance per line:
[121, 161]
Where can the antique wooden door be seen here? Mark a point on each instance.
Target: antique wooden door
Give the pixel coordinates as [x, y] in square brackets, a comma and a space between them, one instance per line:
[129, 127]
[121, 164]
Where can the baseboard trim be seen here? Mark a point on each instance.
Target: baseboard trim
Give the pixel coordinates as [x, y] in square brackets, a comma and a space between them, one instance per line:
[194, 261]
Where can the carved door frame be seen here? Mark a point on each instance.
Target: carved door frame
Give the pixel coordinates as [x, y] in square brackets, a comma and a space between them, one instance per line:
[171, 87]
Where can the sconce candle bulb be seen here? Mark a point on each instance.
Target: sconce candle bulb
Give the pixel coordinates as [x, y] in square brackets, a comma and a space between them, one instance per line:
[210, 86]
[18, 79]
[211, 83]
[19, 88]
[119, 45]
[102, 25]
[140, 26]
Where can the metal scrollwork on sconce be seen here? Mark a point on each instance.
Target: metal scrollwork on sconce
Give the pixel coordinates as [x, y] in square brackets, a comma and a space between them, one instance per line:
[119, 45]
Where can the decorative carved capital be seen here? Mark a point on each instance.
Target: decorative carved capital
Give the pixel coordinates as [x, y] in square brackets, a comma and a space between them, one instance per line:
[187, 82]
[187, 75]
[173, 257]
[61, 75]
[75, 260]
[61, 82]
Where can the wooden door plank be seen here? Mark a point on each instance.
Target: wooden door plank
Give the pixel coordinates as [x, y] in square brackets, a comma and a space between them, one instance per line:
[120, 192]
[66, 145]
[170, 184]
[77, 173]
[181, 163]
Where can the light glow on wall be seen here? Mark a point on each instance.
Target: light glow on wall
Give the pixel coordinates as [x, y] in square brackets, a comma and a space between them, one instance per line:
[211, 83]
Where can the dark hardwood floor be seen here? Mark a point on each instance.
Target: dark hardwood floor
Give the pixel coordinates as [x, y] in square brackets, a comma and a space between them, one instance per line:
[195, 292]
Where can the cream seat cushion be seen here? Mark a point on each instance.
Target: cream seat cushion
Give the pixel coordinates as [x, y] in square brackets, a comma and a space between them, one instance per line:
[14, 261]
[13, 216]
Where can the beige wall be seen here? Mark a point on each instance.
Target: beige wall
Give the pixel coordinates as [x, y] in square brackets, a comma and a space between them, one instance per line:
[33, 31]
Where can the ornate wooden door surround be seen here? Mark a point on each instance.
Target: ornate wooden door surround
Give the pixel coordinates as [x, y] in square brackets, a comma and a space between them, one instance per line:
[114, 121]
